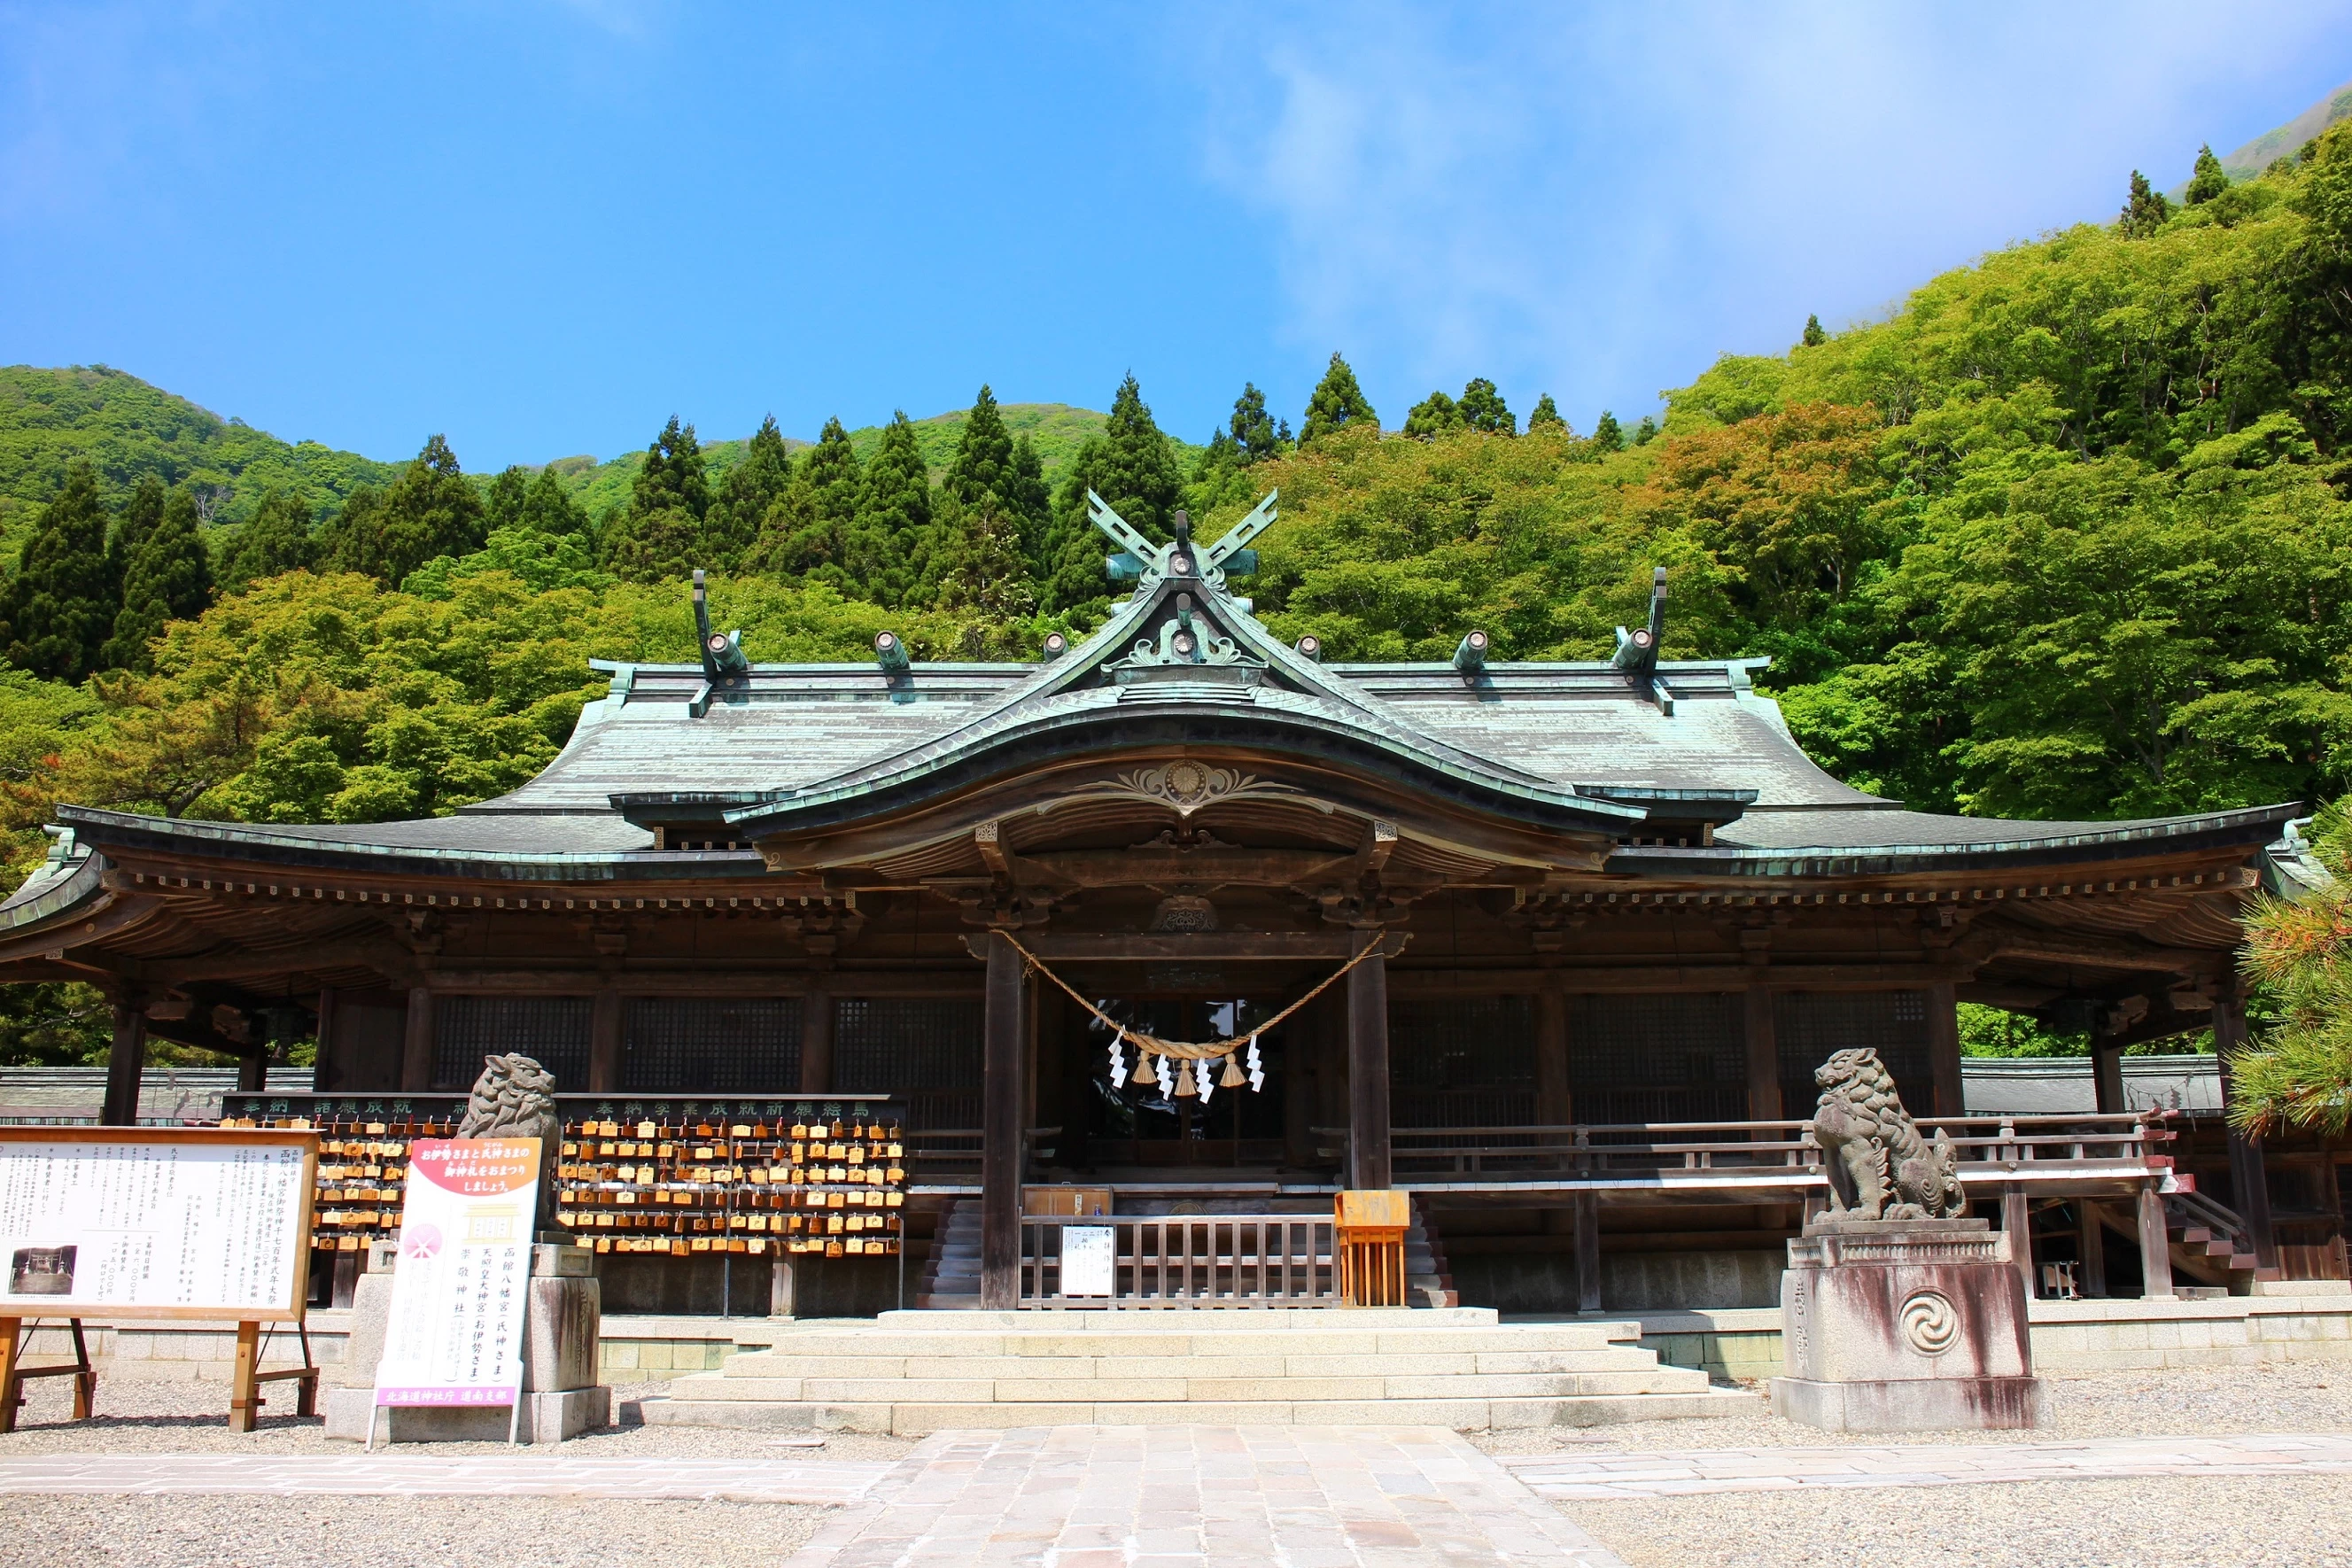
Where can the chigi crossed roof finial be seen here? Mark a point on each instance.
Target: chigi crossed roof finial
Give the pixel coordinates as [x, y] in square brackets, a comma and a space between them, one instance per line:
[1145, 562]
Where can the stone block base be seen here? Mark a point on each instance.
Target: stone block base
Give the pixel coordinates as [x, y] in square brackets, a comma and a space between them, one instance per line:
[546, 1418]
[1914, 1403]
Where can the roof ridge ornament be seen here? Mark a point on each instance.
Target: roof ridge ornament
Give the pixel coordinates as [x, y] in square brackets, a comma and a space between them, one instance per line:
[1637, 651]
[1138, 558]
[723, 664]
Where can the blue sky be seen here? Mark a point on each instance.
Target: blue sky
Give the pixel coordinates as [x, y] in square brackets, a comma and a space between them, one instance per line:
[542, 227]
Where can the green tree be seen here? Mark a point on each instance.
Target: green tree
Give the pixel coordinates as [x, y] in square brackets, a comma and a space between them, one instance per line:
[141, 510]
[989, 486]
[430, 508]
[61, 603]
[1433, 416]
[2209, 180]
[1130, 465]
[170, 579]
[1607, 435]
[2298, 1073]
[2145, 210]
[660, 535]
[1253, 434]
[807, 533]
[277, 539]
[548, 508]
[1482, 408]
[749, 492]
[504, 496]
[1646, 431]
[892, 527]
[1547, 416]
[1813, 336]
[984, 582]
[1337, 403]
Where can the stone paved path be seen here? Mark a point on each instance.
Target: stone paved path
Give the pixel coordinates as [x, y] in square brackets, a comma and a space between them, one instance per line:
[1682, 1473]
[1201, 1496]
[404, 1475]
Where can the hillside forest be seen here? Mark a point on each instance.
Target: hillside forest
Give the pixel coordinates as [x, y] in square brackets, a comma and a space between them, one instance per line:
[2068, 535]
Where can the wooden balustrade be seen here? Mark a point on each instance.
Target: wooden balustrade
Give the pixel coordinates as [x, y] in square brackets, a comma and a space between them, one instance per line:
[1190, 1260]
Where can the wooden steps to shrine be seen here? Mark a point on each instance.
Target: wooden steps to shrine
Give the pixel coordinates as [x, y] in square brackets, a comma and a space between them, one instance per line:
[916, 1372]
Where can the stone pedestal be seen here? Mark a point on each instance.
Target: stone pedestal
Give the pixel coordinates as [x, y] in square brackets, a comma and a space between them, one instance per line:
[1905, 1326]
[562, 1324]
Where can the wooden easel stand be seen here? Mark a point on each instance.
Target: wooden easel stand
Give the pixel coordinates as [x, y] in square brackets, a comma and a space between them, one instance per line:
[245, 1400]
[13, 1372]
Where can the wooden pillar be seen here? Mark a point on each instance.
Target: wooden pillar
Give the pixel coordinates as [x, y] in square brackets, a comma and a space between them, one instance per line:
[816, 1041]
[784, 1285]
[2018, 1221]
[125, 1060]
[2155, 1247]
[253, 1071]
[2107, 1077]
[1763, 1058]
[1368, 1067]
[328, 1073]
[2094, 1241]
[416, 1045]
[999, 1136]
[607, 1042]
[1944, 1055]
[1555, 1107]
[1588, 1252]
[244, 1389]
[2248, 1179]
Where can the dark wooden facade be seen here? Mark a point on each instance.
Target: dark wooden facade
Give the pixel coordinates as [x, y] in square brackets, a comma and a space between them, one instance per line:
[1601, 893]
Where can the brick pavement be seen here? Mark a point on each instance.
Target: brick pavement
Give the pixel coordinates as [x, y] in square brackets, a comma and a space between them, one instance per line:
[1569, 1478]
[407, 1475]
[1201, 1496]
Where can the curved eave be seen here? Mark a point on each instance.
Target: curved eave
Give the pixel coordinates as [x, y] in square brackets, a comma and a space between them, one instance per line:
[246, 844]
[64, 896]
[2250, 829]
[1064, 737]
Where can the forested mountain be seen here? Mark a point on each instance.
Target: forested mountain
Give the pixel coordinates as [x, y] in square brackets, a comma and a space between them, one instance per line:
[2068, 536]
[2287, 140]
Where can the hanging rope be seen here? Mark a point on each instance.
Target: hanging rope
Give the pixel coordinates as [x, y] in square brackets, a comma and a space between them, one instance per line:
[1191, 1050]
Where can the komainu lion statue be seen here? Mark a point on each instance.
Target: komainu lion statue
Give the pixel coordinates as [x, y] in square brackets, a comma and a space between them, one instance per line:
[1880, 1168]
[515, 1097]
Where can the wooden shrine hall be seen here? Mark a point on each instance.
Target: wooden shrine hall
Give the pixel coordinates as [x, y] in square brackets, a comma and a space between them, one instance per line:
[1593, 927]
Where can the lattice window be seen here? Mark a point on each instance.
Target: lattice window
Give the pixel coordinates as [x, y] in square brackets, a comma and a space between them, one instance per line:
[1672, 1057]
[553, 1031]
[1467, 1062]
[928, 1048]
[712, 1046]
[1810, 1027]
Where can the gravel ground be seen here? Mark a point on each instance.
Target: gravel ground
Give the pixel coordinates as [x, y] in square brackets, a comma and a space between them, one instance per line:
[396, 1532]
[2161, 1523]
[2293, 1396]
[158, 1418]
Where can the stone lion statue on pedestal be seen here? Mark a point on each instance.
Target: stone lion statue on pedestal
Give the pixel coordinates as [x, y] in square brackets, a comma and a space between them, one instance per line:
[515, 1097]
[1879, 1166]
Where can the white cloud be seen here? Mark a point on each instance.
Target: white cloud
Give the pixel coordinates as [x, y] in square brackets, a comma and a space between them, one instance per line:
[1595, 203]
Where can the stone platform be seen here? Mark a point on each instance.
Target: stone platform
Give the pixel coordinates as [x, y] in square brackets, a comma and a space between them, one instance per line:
[920, 1372]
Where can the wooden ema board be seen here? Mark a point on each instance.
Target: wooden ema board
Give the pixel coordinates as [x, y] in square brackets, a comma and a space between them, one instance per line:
[155, 1223]
[1370, 1228]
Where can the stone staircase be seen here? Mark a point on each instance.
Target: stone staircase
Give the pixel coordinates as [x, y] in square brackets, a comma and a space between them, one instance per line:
[917, 1372]
[950, 1277]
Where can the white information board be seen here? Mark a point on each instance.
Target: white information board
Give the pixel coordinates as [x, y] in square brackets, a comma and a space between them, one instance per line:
[455, 1333]
[154, 1222]
[1089, 1260]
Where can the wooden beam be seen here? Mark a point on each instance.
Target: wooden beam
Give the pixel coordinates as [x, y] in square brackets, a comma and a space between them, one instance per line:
[1763, 1056]
[999, 1143]
[126, 1058]
[1587, 1208]
[817, 1012]
[2155, 1247]
[607, 1042]
[2249, 1182]
[1368, 1067]
[1944, 1055]
[416, 1042]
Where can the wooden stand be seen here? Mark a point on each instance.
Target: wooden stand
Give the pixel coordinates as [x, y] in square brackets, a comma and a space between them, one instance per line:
[1369, 1229]
[13, 1373]
[245, 1400]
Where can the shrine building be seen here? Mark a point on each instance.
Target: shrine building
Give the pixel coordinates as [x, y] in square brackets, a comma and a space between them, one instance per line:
[1571, 939]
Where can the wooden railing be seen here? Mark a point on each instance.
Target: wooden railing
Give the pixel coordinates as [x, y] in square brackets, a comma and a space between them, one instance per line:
[1779, 1153]
[954, 1152]
[1190, 1260]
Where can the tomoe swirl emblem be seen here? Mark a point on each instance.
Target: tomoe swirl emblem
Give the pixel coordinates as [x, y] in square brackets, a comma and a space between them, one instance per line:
[1930, 1322]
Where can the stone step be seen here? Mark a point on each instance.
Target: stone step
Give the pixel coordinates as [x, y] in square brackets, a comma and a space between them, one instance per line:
[917, 1418]
[755, 1366]
[1096, 1389]
[1188, 1340]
